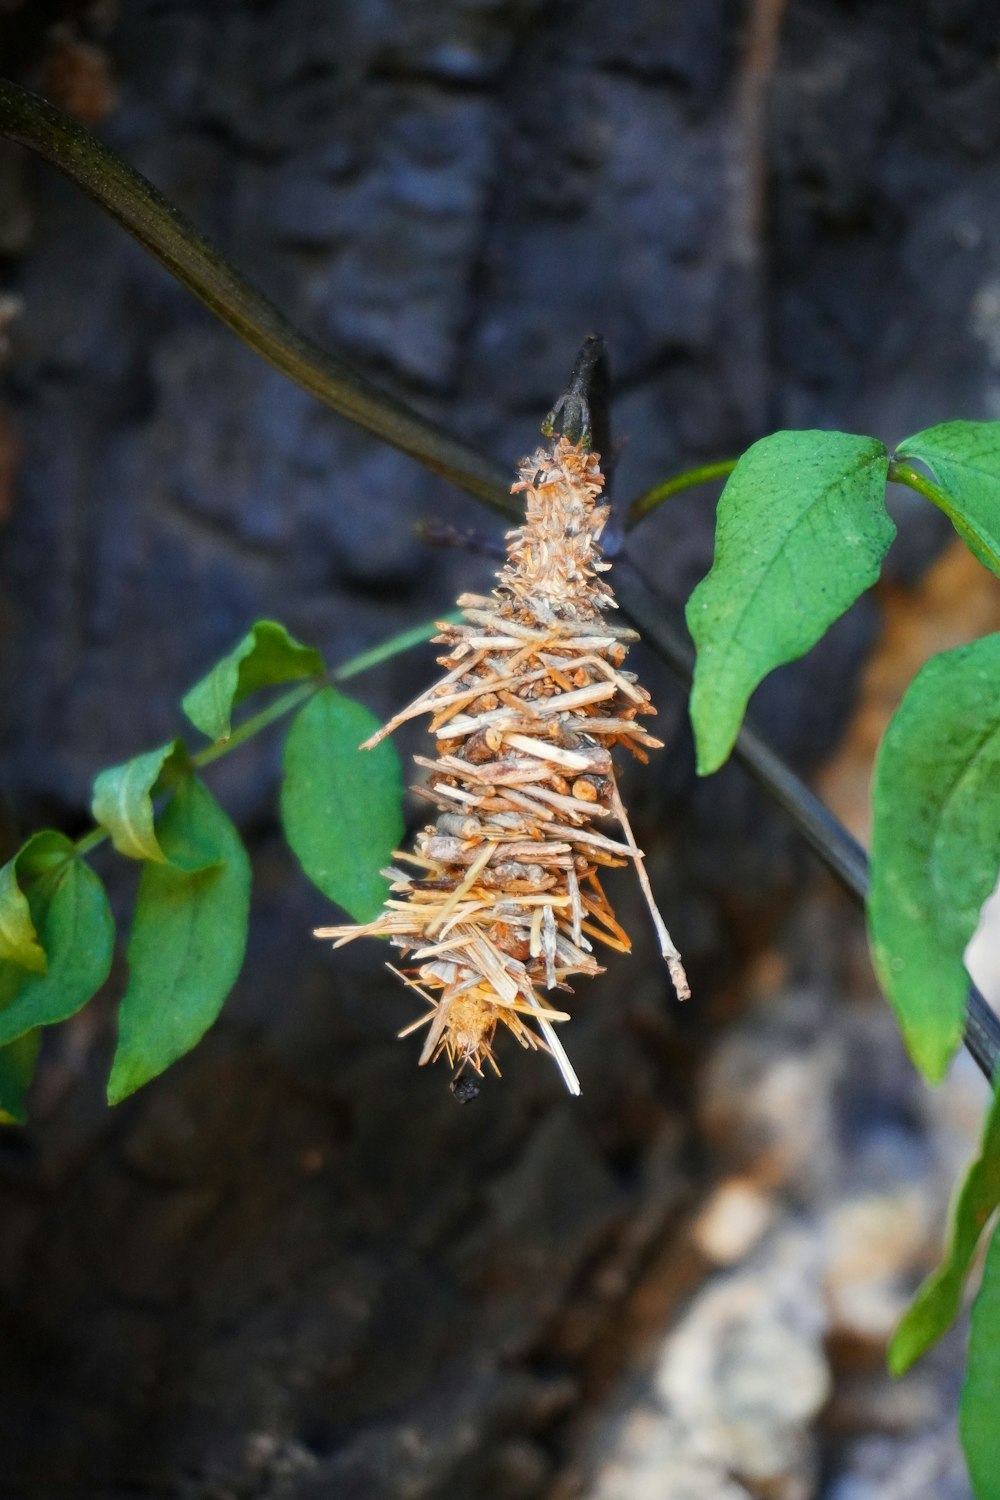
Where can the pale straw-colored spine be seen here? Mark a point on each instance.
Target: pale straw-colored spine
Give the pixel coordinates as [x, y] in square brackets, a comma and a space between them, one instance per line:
[501, 900]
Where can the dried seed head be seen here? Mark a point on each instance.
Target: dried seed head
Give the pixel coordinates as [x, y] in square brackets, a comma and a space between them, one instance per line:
[501, 897]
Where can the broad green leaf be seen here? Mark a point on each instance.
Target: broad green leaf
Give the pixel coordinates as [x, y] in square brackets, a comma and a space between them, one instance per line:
[265, 657]
[188, 938]
[123, 799]
[964, 458]
[17, 1066]
[341, 806]
[801, 532]
[71, 911]
[935, 843]
[978, 1422]
[936, 1304]
[18, 938]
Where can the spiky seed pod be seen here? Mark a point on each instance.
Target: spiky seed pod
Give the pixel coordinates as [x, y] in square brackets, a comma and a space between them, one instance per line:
[502, 896]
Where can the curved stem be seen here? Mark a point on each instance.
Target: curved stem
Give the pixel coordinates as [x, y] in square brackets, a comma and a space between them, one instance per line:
[288, 702]
[141, 209]
[836, 847]
[644, 504]
[966, 528]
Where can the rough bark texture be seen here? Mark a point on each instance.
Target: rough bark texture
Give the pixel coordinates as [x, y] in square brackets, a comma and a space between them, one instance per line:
[294, 1267]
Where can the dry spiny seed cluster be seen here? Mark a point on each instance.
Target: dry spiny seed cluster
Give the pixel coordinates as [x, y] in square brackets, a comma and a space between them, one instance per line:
[502, 895]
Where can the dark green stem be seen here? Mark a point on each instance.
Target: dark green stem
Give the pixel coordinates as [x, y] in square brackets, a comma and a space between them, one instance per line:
[644, 504]
[141, 209]
[963, 524]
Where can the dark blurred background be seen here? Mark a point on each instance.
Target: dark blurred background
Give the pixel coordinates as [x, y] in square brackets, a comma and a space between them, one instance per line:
[294, 1267]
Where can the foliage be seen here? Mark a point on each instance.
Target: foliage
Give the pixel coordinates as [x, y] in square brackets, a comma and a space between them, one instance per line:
[801, 532]
[335, 802]
[813, 537]
[341, 813]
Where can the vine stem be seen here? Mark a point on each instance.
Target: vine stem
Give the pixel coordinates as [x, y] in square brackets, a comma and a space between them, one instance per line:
[904, 474]
[288, 702]
[141, 209]
[643, 504]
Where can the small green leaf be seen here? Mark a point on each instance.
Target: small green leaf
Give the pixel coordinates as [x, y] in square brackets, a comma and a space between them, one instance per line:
[936, 1304]
[123, 799]
[18, 938]
[188, 938]
[341, 806]
[978, 1422]
[801, 532]
[266, 656]
[71, 911]
[964, 458]
[935, 843]
[17, 1067]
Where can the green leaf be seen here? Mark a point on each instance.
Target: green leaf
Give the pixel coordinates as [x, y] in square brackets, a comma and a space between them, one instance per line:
[123, 799]
[936, 1304]
[71, 911]
[964, 458]
[801, 532]
[18, 938]
[17, 1067]
[188, 938]
[266, 656]
[978, 1422]
[935, 843]
[341, 806]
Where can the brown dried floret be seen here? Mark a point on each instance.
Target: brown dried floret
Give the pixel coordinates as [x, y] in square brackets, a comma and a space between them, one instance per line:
[504, 899]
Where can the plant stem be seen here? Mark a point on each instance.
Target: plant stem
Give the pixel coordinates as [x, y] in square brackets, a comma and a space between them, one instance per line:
[262, 720]
[836, 847]
[415, 636]
[394, 646]
[968, 530]
[141, 209]
[642, 505]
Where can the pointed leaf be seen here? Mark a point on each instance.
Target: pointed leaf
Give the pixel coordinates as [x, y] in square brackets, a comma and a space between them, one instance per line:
[265, 657]
[17, 1067]
[123, 799]
[71, 910]
[978, 1422]
[18, 938]
[188, 938]
[964, 458]
[935, 843]
[341, 806]
[937, 1303]
[801, 532]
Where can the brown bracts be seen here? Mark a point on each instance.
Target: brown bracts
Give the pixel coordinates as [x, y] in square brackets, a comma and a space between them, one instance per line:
[501, 902]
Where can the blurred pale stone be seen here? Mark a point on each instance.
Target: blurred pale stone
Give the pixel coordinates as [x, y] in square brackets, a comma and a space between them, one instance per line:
[655, 1459]
[732, 1221]
[745, 1369]
[872, 1244]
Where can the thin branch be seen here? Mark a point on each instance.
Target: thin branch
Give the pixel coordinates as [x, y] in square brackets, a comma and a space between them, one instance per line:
[141, 209]
[643, 504]
[284, 705]
[961, 520]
